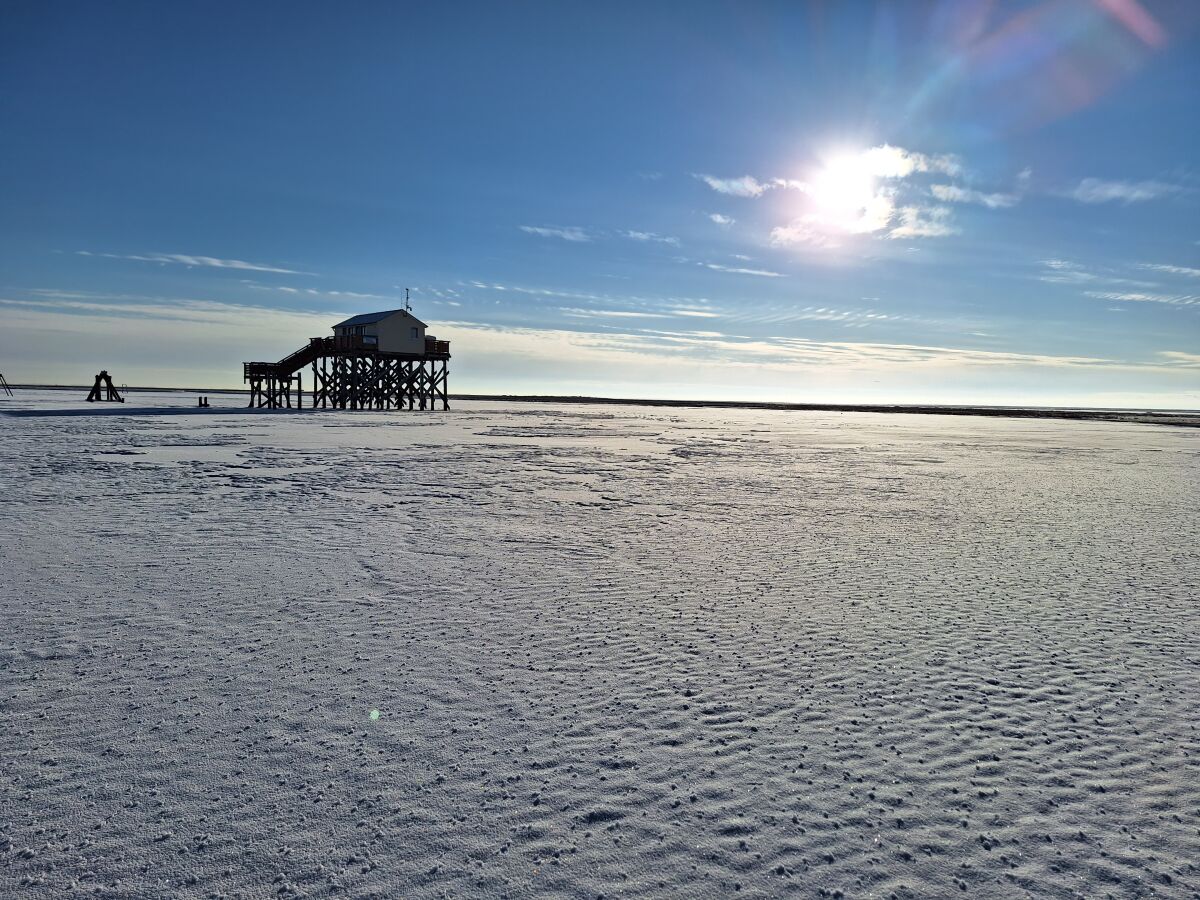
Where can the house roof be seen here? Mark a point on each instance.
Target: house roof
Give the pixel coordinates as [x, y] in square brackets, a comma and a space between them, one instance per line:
[372, 318]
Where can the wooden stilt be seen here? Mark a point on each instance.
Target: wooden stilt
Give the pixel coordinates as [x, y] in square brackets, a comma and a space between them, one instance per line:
[345, 378]
[104, 389]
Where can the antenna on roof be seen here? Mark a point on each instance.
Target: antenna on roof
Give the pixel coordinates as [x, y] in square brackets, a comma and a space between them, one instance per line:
[407, 305]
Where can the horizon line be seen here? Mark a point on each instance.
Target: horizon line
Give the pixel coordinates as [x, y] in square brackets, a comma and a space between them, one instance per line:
[1149, 415]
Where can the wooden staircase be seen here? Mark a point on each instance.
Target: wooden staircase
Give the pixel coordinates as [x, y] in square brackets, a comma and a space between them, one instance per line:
[350, 371]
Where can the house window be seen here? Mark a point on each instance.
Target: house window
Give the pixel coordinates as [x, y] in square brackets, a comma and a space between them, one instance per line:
[415, 333]
[360, 329]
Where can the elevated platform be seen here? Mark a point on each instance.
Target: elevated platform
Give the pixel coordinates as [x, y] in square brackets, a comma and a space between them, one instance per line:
[352, 373]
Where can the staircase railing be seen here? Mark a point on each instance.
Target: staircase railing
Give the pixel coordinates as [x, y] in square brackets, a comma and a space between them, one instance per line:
[321, 346]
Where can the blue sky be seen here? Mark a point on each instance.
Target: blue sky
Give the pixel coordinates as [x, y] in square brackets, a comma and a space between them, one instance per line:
[942, 202]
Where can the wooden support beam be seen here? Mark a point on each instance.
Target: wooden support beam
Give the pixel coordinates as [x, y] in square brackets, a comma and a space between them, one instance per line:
[351, 380]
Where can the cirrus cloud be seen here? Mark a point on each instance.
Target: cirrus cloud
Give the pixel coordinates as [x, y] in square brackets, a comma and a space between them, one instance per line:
[649, 237]
[744, 186]
[923, 221]
[735, 270]
[186, 259]
[567, 233]
[1186, 271]
[1094, 190]
[950, 193]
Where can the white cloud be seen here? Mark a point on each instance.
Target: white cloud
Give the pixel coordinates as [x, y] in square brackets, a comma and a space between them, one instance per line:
[664, 304]
[1062, 271]
[1144, 297]
[1060, 264]
[1180, 358]
[313, 292]
[580, 313]
[1094, 190]
[651, 237]
[886, 161]
[876, 214]
[723, 221]
[189, 260]
[860, 194]
[849, 318]
[780, 353]
[567, 233]
[826, 226]
[745, 186]
[883, 161]
[949, 193]
[1173, 270]
[738, 271]
[805, 230]
[177, 309]
[696, 313]
[923, 221]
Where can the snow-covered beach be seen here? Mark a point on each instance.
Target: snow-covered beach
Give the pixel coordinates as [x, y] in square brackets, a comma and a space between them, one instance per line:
[511, 650]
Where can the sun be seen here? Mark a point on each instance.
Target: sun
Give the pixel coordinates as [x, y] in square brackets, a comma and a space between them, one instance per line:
[844, 188]
[848, 195]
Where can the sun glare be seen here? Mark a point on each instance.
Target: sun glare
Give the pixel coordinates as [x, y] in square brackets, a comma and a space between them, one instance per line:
[844, 187]
[846, 196]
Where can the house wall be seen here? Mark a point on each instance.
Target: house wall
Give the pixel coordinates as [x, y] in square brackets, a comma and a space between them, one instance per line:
[394, 334]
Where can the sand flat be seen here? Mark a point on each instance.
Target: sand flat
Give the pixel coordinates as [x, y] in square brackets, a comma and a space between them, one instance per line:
[512, 650]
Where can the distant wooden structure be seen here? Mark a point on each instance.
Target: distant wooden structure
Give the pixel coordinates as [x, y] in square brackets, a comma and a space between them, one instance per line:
[381, 360]
[4, 386]
[104, 389]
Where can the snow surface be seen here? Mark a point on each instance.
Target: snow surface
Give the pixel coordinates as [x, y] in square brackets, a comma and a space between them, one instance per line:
[584, 651]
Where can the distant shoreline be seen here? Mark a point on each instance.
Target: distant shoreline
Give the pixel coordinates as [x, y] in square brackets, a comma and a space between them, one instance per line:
[1180, 418]
[1185, 418]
